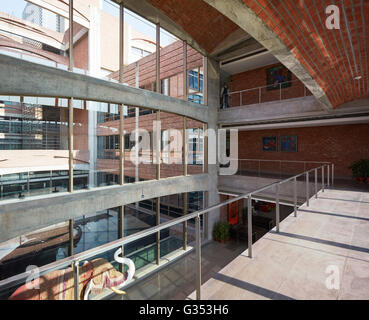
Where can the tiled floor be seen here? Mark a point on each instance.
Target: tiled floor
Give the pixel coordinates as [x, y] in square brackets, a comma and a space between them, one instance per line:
[321, 254]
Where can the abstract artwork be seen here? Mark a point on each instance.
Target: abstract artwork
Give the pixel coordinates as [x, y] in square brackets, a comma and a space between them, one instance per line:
[269, 143]
[277, 75]
[288, 143]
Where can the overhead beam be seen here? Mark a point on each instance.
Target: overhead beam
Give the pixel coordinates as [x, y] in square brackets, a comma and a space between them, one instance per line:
[155, 16]
[246, 47]
[246, 19]
[18, 217]
[24, 78]
[232, 40]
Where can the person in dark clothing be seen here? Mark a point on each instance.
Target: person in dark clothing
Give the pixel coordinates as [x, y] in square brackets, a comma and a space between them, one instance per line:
[225, 97]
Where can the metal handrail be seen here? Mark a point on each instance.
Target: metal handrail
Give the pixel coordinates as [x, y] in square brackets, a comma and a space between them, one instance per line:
[304, 162]
[259, 89]
[75, 259]
[292, 161]
[262, 87]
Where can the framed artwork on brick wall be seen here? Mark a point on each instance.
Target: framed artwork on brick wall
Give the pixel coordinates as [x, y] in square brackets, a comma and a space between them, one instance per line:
[278, 76]
[269, 143]
[288, 143]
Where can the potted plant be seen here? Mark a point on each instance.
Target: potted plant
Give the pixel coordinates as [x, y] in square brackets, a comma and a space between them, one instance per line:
[360, 170]
[221, 231]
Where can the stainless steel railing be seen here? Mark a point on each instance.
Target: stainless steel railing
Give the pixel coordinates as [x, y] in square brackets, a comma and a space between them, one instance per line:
[74, 260]
[256, 166]
[262, 94]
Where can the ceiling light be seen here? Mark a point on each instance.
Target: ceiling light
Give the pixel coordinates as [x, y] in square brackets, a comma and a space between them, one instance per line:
[357, 78]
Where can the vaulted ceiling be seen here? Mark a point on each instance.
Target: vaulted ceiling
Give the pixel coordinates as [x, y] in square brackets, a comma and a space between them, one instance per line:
[336, 58]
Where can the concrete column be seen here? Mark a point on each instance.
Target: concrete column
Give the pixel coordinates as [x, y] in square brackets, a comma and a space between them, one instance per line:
[211, 86]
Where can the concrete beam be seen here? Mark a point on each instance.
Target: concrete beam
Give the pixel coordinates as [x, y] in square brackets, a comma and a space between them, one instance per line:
[246, 19]
[232, 40]
[274, 110]
[24, 78]
[19, 217]
[149, 12]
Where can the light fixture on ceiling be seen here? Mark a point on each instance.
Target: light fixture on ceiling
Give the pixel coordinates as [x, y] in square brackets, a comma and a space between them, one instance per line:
[357, 78]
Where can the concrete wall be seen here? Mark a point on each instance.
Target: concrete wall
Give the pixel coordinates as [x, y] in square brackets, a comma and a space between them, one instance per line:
[276, 110]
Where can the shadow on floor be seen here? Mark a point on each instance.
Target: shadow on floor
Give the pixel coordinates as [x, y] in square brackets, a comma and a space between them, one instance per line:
[270, 294]
[322, 241]
[334, 214]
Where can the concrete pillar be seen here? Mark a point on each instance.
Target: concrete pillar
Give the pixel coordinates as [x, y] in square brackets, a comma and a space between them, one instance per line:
[212, 85]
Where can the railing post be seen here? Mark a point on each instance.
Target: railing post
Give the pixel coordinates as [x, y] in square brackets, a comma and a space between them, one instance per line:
[249, 225]
[316, 182]
[198, 259]
[323, 178]
[71, 237]
[332, 174]
[295, 196]
[277, 207]
[280, 91]
[328, 182]
[307, 189]
[75, 268]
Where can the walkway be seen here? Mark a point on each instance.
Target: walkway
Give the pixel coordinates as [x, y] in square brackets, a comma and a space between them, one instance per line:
[329, 237]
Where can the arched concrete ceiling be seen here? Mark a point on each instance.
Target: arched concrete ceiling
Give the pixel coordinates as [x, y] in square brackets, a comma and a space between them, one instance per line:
[327, 61]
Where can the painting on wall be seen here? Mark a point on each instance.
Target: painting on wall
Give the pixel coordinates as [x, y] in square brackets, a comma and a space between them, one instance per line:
[269, 143]
[288, 143]
[278, 76]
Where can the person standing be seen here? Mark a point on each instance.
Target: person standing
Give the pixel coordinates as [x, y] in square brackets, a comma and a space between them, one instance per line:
[225, 97]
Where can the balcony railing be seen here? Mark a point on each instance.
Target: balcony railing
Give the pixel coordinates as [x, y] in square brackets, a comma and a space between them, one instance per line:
[76, 259]
[274, 168]
[281, 91]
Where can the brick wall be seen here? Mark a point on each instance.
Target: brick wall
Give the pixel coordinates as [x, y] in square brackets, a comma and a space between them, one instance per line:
[257, 78]
[341, 145]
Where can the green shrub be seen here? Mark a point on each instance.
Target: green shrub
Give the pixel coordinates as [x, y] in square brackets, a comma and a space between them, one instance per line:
[360, 168]
[221, 231]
